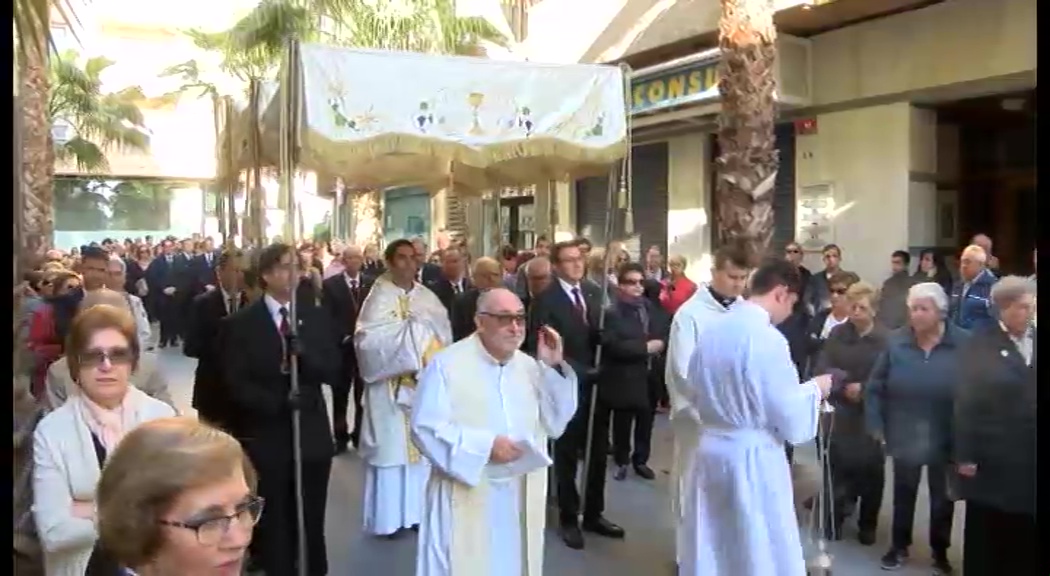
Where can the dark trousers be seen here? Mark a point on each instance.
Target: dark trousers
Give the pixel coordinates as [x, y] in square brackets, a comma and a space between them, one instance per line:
[998, 542]
[275, 543]
[852, 480]
[170, 312]
[622, 421]
[341, 404]
[567, 450]
[906, 478]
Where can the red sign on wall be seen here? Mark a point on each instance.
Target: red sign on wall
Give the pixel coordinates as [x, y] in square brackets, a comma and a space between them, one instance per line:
[806, 126]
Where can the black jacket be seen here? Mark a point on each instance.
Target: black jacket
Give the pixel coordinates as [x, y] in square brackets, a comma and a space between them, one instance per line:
[628, 370]
[995, 422]
[464, 307]
[554, 308]
[204, 342]
[259, 389]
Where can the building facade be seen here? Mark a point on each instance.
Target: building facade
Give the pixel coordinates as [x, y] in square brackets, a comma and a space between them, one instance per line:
[862, 152]
[143, 40]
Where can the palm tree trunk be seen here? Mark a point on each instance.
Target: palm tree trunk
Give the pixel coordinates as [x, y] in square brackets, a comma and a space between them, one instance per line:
[747, 164]
[38, 156]
[368, 217]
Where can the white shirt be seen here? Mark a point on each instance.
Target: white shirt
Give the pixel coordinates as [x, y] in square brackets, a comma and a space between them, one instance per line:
[226, 298]
[275, 310]
[830, 324]
[1025, 344]
[352, 282]
[570, 289]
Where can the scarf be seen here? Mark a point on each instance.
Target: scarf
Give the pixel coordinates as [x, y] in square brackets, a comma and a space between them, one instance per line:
[637, 305]
[109, 425]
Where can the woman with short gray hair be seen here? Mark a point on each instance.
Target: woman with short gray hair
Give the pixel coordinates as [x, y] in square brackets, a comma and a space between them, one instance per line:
[995, 436]
[908, 404]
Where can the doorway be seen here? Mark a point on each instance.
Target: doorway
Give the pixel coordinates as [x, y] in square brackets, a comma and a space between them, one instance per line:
[518, 222]
[996, 175]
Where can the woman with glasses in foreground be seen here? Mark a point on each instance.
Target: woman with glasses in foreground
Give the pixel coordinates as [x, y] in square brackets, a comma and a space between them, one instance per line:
[72, 443]
[178, 498]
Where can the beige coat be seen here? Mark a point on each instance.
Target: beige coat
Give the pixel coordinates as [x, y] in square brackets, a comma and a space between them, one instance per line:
[148, 378]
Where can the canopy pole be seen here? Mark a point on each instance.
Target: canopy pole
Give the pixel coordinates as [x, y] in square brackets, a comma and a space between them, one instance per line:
[289, 91]
[621, 183]
[253, 179]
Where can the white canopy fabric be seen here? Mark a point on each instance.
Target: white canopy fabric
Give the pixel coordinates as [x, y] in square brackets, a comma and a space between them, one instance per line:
[381, 119]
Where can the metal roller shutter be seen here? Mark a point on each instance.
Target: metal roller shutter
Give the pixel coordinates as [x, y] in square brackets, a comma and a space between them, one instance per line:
[648, 201]
[649, 198]
[784, 196]
[592, 206]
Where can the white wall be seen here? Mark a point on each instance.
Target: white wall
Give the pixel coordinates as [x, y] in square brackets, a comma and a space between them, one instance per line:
[949, 43]
[865, 155]
[689, 203]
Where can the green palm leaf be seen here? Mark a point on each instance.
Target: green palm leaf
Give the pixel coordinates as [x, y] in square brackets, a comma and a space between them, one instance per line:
[100, 121]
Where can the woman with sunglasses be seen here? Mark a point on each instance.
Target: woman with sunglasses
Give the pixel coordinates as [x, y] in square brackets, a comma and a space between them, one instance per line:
[825, 321]
[178, 498]
[71, 444]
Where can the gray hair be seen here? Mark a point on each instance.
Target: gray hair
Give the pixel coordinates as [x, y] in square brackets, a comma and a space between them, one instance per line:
[119, 261]
[1009, 289]
[929, 291]
[536, 261]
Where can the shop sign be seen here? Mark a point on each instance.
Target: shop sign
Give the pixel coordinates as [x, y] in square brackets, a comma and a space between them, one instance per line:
[689, 84]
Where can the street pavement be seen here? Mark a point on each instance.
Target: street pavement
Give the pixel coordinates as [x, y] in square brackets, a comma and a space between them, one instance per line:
[637, 505]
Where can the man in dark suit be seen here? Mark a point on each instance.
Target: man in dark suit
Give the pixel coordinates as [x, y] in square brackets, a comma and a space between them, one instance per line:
[204, 267]
[425, 271]
[259, 340]
[169, 278]
[573, 308]
[342, 297]
[452, 280]
[487, 275]
[203, 342]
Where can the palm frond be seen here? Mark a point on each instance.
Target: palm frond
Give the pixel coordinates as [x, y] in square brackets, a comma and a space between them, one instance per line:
[87, 155]
[32, 23]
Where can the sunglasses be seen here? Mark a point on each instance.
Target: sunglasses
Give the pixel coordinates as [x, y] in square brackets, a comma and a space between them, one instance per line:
[116, 356]
[630, 282]
[505, 319]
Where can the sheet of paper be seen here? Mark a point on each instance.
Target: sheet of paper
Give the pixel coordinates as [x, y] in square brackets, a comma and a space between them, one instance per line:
[532, 458]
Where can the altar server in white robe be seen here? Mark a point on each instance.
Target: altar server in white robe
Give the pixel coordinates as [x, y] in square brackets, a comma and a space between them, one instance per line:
[711, 300]
[740, 515]
[402, 324]
[482, 415]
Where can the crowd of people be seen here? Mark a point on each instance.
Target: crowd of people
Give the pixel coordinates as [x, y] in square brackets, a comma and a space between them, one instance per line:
[468, 376]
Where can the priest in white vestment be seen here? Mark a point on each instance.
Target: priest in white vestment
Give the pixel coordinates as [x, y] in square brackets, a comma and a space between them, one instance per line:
[711, 300]
[482, 415]
[739, 513]
[402, 324]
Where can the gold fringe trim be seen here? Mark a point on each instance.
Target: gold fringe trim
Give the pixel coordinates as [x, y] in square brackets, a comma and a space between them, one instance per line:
[374, 161]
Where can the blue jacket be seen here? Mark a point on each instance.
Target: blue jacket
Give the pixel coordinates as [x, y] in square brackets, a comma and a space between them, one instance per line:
[975, 310]
[909, 396]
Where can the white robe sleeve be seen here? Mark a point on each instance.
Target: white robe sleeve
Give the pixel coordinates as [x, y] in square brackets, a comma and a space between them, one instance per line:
[680, 346]
[792, 409]
[457, 451]
[558, 398]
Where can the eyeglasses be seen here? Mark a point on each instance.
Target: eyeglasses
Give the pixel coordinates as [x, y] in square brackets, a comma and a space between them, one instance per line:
[116, 356]
[505, 319]
[210, 531]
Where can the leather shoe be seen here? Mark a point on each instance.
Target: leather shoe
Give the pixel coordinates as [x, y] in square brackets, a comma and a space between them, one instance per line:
[603, 527]
[571, 535]
[644, 471]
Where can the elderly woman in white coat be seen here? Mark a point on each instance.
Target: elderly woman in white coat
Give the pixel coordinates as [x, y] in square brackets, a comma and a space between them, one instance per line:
[71, 443]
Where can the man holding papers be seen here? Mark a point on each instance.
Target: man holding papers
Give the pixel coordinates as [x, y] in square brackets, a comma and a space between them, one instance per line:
[482, 414]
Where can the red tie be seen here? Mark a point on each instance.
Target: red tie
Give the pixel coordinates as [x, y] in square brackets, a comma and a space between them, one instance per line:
[577, 303]
[284, 328]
